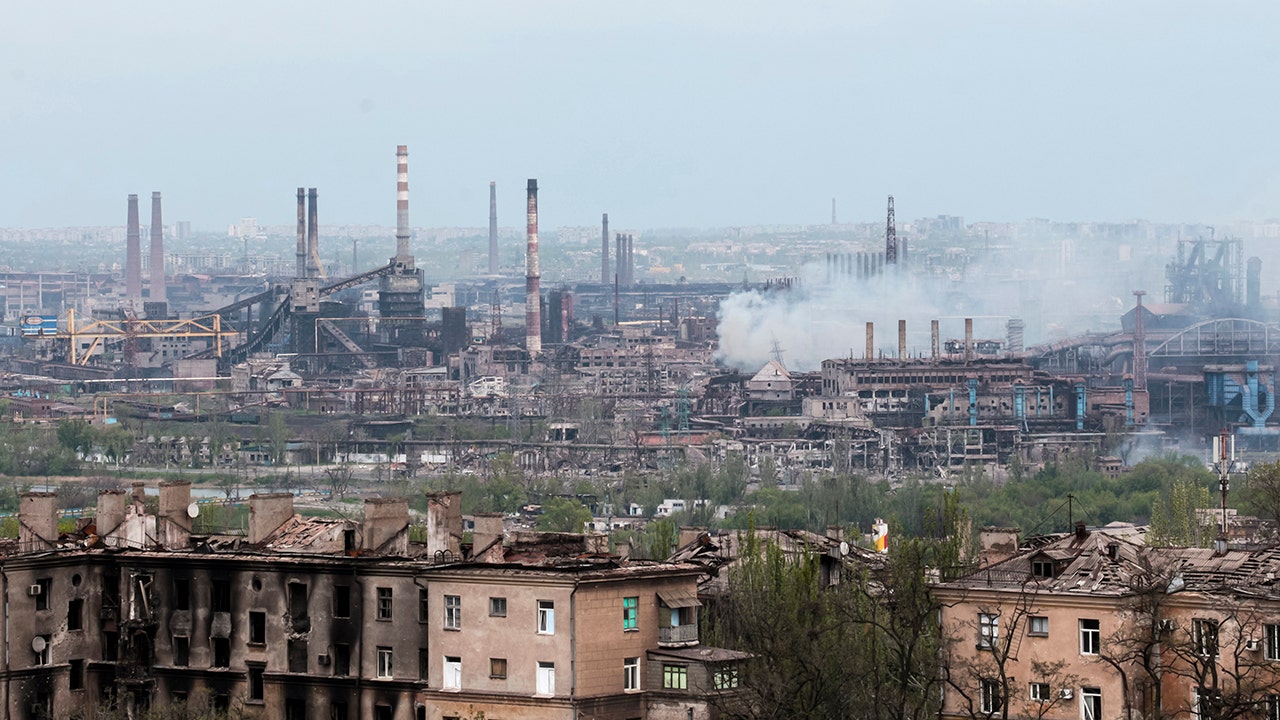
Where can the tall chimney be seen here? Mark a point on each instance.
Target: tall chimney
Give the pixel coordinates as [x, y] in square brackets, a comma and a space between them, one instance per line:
[313, 235]
[493, 228]
[158, 292]
[402, 203]
[302, 233]
[133, 257]
[604, 249]
[933, 339]
[871, 341]
[1139, 345]
[532, 293]
[619, 260]
[968, 339]
[902, 339]
[631, 259]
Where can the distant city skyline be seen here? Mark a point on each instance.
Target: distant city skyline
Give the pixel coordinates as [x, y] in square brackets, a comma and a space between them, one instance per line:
[664, 115]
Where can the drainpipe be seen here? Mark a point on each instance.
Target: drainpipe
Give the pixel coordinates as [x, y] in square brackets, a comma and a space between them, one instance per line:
[573, 642]
[4, 580]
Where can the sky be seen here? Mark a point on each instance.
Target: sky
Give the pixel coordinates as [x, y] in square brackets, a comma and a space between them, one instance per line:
[666, 113]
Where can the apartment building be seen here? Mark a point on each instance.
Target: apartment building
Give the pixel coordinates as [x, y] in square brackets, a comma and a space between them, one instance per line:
[333, 618]
[1096, 625]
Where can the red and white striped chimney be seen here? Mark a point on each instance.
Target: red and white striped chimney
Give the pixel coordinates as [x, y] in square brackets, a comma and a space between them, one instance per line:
[402, 203]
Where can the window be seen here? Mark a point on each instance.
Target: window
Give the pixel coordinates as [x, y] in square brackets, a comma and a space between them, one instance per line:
[1272, 633]
[255, 682]
[725, 678]
[295, 709]
[1039, 626]
[631, 674]
[423, 605]
[341, 659]
[546, 617]
[1042, 568]
[630, 612]
[424, 664]
[990, 699]
[44, 586]
[452, 673]
[298, 607]
[1090, 637]
[384, 662]
[297, 650]
[257, 627]
[181, 593]
[338, 710]
[75, 675]
[546, 678]
[342, 601]
[1273, 707]
[1090, 703]
[1039, 692]
[75, 614]
[675, 677]
[498, 607]
[498, 668]
[1205, 636]
[221, 653]
[181, 650]
[384, 603]
[220, 595]
[988, 630]
[452, 612]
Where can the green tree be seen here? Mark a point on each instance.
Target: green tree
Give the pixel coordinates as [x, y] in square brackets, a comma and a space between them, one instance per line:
[1174, 520]
[278, 430]
[76, 435]
[563, 515]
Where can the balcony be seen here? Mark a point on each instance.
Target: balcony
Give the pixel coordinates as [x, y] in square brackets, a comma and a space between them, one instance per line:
[678, 636]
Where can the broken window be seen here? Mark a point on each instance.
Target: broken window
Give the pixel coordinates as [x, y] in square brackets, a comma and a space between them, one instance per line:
[341, 659]
[75, 614]
[75, 675]
[384, 662]
[181, 650]
[298, 607]
[297, 656]
[41, 592]
[342, 601]
[221, 653]
[256, 689]
[257, 627]
[220, 595]
[181, 593]
[384, 603]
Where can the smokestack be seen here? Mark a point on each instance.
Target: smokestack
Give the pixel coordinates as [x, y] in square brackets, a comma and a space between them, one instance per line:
[493, 228]
[1139, 345]
[604, 249]
[968, 339]
[1253, 285]
[871, 341]
[133, 257]
[626, 250]
[631, 259]
[933, 339]
[532, 293]
[158, 291]
[1015, 329]
[402, 203]
[890, 237]
[619, 262]
[302, 233]
[313, 235]
[902, 339]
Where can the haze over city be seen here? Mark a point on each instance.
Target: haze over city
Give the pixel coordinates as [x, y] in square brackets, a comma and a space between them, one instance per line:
[669, 114]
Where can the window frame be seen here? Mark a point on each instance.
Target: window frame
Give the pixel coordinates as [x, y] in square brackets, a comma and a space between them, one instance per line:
[1271, 642]
[497, 606]
[424, 605]
[452, 673]
[1204, 634]
[1031, 626]
[498, 668]
[1090, 637]
[546, 617]
[1090, 703]
[341, 601]
[256, 693]
[631, 614]
[725, 677]
[386, 663]
[545, 679]
[990, 696]
[385, 597]
[631, 674]
[988, 630]
[1039, 692]
[452, 612]
[254, 617]
[675, 676]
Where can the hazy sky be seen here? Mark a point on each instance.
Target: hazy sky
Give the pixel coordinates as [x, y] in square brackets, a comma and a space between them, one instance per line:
[663, 114]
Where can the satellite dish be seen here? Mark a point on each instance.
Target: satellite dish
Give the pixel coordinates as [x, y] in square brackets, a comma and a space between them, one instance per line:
[38, 644]
[844, 548]
[193, 510]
